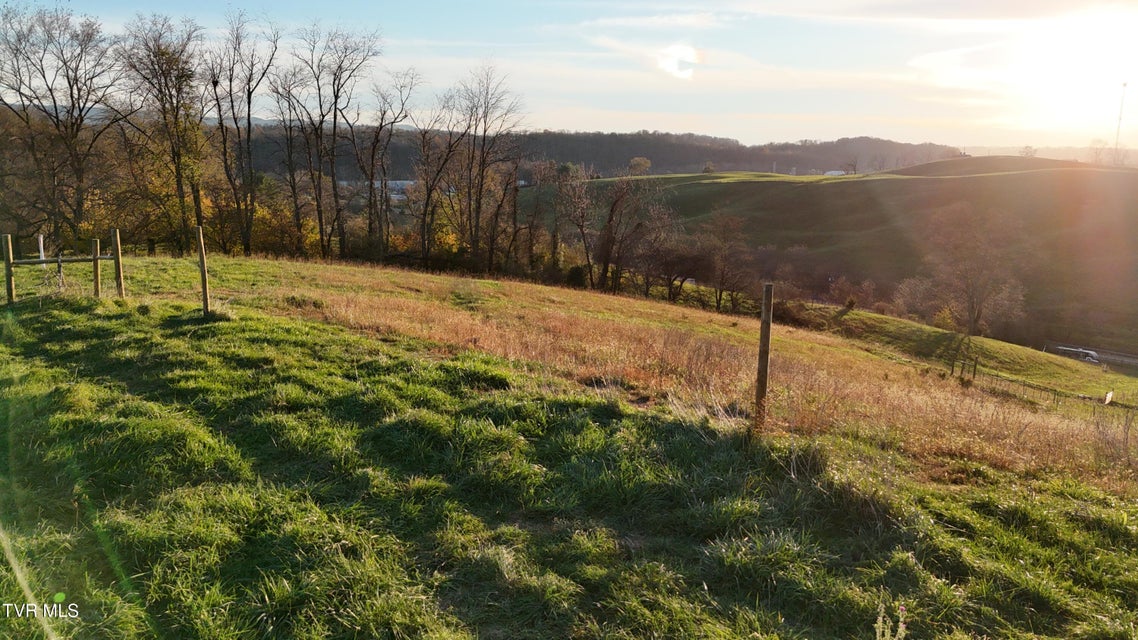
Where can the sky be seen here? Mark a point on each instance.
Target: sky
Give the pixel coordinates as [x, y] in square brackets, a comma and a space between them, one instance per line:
[969, 73]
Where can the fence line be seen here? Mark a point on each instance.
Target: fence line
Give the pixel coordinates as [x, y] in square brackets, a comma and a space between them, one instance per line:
[10, 263]
[1108, 417]
[1024, 390]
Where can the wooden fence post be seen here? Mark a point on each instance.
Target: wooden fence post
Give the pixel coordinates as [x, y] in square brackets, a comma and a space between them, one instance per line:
[95, 271]
[764, 357]
[116, 249]
[9, 281]
[205, 274]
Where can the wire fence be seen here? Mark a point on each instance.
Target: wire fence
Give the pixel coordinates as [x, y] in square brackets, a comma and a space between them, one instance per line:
[971, 369]
[1111, 418]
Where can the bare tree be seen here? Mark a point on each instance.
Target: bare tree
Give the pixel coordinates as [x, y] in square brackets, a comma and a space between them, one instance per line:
[58, 77]
[974, 269]
[651, 253]
[729, 267]
[236, 69]
[371, 145]
[285, 87]
[574, 205]
[632, 209]
[15, 169]
[333, 62]
[493, 113]
[619, 220]
[160, 59]
[440, 134]
[680, 261]
[544, 176]
[917, 297]
[518, 223]
[1098, 149]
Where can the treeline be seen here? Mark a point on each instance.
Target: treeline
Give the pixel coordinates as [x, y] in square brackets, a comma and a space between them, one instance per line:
[608, 154]
[155, 130]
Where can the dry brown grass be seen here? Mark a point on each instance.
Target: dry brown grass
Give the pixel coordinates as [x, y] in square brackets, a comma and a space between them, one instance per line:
[700, 363]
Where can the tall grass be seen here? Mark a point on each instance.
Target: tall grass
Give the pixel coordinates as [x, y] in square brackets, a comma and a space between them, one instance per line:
[261, 476]
[705, 366]
[694, 362]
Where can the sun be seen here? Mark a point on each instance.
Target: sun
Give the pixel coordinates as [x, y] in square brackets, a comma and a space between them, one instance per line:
[1067, 73]
[678, 60]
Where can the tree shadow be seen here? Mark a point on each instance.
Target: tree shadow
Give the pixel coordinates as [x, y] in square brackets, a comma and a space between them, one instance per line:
[683, 512]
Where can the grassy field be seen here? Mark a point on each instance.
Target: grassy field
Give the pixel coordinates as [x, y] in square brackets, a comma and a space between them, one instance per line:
[346, 452]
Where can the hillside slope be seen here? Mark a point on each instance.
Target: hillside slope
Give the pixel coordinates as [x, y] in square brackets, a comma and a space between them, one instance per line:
[1080, 259]
[980, 165]
[316, 463]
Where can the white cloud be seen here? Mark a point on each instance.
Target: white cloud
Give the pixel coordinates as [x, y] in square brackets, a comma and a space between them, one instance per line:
[666, 21]
[975, 76]
[731, 71]
[428, 43]
[975, 12]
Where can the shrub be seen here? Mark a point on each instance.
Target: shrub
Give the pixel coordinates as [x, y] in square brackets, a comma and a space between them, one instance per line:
[576, 277]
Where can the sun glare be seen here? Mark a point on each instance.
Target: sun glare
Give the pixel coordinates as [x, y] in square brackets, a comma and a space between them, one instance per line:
[1067, 72]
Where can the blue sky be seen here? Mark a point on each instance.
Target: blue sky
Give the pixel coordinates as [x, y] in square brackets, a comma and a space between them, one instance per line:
[969, 73]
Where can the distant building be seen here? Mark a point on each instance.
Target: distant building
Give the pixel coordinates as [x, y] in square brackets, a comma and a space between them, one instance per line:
[397, 189]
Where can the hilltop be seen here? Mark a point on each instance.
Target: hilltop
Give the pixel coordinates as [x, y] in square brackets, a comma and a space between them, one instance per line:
[346, 451]
[982, 165]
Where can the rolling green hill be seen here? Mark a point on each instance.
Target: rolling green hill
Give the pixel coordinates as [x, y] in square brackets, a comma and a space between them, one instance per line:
[1078, 241]
[348, 452]
[971, 166]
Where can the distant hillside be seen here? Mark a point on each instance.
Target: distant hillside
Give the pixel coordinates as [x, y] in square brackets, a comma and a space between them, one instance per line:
[608, 154]
[1097, 152]
[1080, 244]
[968, 166]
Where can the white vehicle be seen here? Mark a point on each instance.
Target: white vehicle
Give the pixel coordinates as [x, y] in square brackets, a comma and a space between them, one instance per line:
[1086, 355]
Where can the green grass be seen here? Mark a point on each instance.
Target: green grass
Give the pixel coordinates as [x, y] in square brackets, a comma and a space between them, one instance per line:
[1008, 360]
[256, 476]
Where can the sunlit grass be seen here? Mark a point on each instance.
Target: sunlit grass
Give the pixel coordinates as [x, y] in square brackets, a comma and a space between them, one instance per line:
[415, 455]
[700, 363]
[697, 363]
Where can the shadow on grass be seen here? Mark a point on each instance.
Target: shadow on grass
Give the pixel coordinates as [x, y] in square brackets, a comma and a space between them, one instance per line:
[539, 516]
